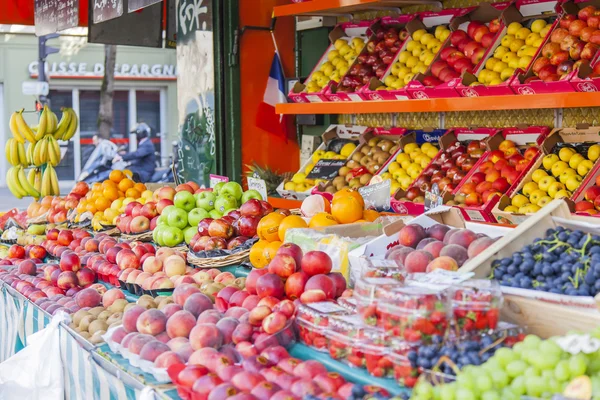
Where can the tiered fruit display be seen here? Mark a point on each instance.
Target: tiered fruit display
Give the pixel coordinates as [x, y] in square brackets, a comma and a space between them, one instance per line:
[409, 164]
[591, 202]
[375, 61]
[565, 261]
[517, 49]
[42, 150]
[534, 368]
[576, 40]
[559, 176]
[364, 164]
[232, 230]
[465, 51]
[56, 208]
[495, 175]
[300, 183]
[447, 170]
[417, 56]
[340, 58]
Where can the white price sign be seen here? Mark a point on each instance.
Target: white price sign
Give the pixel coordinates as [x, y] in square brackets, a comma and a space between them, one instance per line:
[259, 185]
[33, 88]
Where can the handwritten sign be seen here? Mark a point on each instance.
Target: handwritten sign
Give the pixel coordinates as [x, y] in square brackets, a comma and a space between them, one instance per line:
[134, 5]
[259, 185]
[214, 179]
[326, 169]
[377, 196]
[45, 16]
[105, 10]
[67, 14]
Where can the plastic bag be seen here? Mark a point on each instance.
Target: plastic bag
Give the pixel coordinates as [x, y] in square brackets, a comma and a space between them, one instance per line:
[36, 372]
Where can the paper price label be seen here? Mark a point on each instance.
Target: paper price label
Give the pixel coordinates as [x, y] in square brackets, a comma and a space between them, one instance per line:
[214, 179]
[326, 307]
[259, 185]
[576, 344]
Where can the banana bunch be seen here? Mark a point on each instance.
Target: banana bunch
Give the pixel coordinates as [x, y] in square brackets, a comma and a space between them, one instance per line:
[15, 153]
[48, 125]
[49, 185]
[21, 185]
[67, 126]
[19, 128]
[45, 151]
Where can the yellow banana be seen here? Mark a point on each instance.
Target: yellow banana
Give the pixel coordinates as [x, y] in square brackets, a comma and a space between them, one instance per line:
[37, 179]
[29, 153]
[52, 180]
[63, 125]
[53, 151]
[25, 183]
[22, 155]
[70, 132]
[37, 160]
[24, 129]
[14, 128]
[31, 176]
[46, 188]
[7, 147]
[9, 150]
[13, 184]
[43, 125]
[43, 151]
[53, 123]
[14, 153]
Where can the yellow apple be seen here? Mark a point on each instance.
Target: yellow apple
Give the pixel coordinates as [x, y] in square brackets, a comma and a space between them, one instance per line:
[544, 32]
[418, 34]
[559, 167]
[519, 200]
[489, 64]
[408, 78]
[531, 38]
[538, 174]
[516, 44]
[549, 160]
[584, 167]
[593, 152]
[567, 173]
[511, 209]
[433, 43]
[545, 183]
[524, 62]
[544, 200]
[500, 66]
[538, 43]
[507, 40]
[538, 25]
[513, 28]
[412, 61]
[536, 196]
[529, 188]
[507, 73]
[575, 160]
[500, 52]
[508, 57]
[573, 182]
[555, 187]
[522, 33]
[562, 193]
[566, 153]
[389, 81]
[403, 57]
[345, 49]
[340, 43]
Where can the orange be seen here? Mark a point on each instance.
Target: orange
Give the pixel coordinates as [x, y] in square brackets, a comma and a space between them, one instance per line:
[270, 250]
[132, 193]
[121, 194]
[370, 215]
[321, 220]
[347, 210]
[81, 207]
[292, 221]
[116, 176]
[268, 227]
[110, 193]
[96, 186]
[140, 187]
[91, 208]
[347, 191]
[126, 184]
[102, 203]
[128, 173]
[256, 254]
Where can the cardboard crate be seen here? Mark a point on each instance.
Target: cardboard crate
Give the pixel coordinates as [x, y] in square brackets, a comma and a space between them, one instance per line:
[522, 136]
[333, 132]
[399, 23]
[566, 135]
[573, 312]
[346, 31]
[485, 13]
[462, 135]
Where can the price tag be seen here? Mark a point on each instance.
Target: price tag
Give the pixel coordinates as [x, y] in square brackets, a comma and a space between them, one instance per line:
[67, 14]
[439, 278]
[576, 344]
[45, 16]
[326, 307]
[105, 10]
[259, 185]
[214, 179]
[377, 196]
[326, 169]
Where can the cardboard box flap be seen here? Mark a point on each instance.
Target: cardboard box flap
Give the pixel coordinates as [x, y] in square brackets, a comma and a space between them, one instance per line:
[435, 18]
[537, 7]
[394, 131]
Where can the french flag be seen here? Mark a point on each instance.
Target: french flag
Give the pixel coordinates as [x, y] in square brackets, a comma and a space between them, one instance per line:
[266, 118]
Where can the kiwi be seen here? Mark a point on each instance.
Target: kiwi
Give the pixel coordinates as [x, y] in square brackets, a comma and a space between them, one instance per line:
[330, 189]
[96, 326]
[357, 156]
[354, 183]
[352, 164]
[84, 334]
[85, 322]
[116, 317]
[373, 141]
[146, 302]
[365, 149]
[364, 179]
[96, 338]
[394, 149]
[118, 305]
[96, 311]
[78, 316]
[365, 160]
[337, 180]
[104, 315]
[385, 145]
[344, 171]
[128, 306]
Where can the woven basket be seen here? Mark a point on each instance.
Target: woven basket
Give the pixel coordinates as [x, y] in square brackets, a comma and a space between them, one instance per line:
[182, 248]
[141, 237]
[219, 262]
[40, 219]
[111, 231]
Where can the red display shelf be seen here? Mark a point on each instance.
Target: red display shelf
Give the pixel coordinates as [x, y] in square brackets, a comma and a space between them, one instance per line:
[336, 7]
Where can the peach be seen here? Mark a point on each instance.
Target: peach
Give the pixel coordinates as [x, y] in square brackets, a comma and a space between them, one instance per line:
[227, 326]
[258, 314]
[321, 282]
[294, 285]
[304, 387]
[152, 265]
[329, 382]
[479, 245]
[209, 316]
[163, 253]
[181, 293]
[206, 356]
[206, 335]
[243, 395]
[458, 253]
[197, 303]
[111, 296]
[287, 307]
[399, 254]
[313, 296]
[88, 298]
[224, 277]
[411, 235]
[417, 261]
[269, 301]
[247, 380]
[204, 385]
[274, 322]
[163, 337]
[152, 350]
[242, 332]
[188, 376]
[174, 265]
[133, 276]
[449, 234]
[339, 282]
[138, 342]
[275, 354]
[256, 364]
[284, 395]
[66, 280]
[228, 372]
[442, 262]
[463, 238]
[316, 263]
[246, 349]
[236, 312]
[168, 358]
[282, 265]
[264, 390]
[151, 322]
[141, 278]
[171, 309]
[252, 278]
[27, 267]
[424, 243]
[127, 339]
[434, 248]
[293, 250]
[288, 364]
[238, 298]
[180, 324]
[222, 391]
[118, 335]
[309, 369]
[177, 343]
[270, 285]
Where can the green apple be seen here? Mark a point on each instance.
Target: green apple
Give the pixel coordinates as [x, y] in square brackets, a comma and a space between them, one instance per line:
[205, 200]
[185, 201]
[215, 214]
[162, 220]
[177, 218]
[172, 236]
[225, 202]
[197, 215]
[189, 233]
[157, 234]
[217, 188]
[251, 194]
[232, 188]
[36, 229]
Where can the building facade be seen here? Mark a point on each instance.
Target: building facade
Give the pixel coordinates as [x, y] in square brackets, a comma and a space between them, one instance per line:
[145, 91]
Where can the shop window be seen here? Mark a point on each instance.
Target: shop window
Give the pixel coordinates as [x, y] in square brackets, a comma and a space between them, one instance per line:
[148, 111]
[58, 99]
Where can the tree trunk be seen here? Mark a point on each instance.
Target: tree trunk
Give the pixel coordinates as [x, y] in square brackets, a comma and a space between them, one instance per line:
[105, 115]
